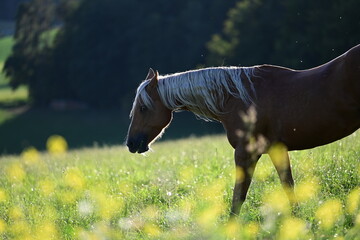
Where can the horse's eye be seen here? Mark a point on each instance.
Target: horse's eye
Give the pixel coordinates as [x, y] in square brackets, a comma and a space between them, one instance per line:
[143, 108]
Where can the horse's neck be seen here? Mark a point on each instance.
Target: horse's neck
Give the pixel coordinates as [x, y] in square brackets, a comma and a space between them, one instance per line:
[181, 97]
[201, 91]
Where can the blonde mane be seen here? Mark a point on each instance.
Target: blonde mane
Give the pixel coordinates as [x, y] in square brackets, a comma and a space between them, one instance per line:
[201, 91]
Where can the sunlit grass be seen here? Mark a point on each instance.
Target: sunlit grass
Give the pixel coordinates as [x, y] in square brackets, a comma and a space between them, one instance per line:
[10, 99]
[5, 50]
[3, 80]
[7, 95]
[5, 47]
[181, 190]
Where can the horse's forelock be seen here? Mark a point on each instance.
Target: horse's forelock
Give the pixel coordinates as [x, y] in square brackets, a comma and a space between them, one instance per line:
[143, 96]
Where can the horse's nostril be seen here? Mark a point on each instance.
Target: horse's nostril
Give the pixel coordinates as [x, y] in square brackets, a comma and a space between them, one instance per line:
[137, 143]
[130, 144]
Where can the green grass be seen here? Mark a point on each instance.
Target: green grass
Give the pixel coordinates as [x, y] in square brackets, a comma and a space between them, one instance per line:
[5, 50]
[5, 47]
[182, 190]
[8, 97]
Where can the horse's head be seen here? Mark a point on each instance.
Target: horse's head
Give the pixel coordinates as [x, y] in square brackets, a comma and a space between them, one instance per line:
[149, 116]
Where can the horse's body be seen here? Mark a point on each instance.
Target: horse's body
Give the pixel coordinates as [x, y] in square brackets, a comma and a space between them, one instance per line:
[300, 109]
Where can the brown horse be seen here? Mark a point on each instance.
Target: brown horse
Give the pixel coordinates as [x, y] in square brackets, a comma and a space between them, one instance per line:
[299, 109]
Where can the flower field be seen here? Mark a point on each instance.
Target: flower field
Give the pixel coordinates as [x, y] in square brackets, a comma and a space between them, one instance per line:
[181, 190]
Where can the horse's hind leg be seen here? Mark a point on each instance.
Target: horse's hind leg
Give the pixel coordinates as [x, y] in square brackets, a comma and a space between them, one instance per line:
[282, 165]
[245, 165]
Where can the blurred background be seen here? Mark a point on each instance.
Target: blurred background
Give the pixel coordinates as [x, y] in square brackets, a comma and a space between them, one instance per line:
[71, 67]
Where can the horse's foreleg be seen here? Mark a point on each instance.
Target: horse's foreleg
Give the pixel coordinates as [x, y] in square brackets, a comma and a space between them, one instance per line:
[283, 168]
[245, 164]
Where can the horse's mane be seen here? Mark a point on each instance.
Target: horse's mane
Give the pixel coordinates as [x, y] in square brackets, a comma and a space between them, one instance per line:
[201, 91]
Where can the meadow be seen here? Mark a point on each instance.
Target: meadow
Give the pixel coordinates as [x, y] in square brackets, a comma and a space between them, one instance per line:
[180, 190]
[56, 188]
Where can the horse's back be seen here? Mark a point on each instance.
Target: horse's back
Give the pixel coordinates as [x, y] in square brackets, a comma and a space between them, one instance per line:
[353, 61]
[305, 109]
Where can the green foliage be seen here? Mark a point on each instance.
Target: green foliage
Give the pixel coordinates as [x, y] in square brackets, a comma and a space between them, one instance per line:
[98, 52]
[106, 47]
[182, 190]
[298, 34]
[30, 54]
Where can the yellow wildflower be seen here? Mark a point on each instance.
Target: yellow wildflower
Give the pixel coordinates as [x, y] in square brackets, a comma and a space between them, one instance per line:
[2, 226]
[46, 187]
[251, 230]
[279, 155]
[152, 230]
[30, 156]
[186, 174]
[262, 173]
[16, 213]
[307, 189]
[47, 230]
[277, 201]
[56, 144]
[207, 218]
[232, 229]
[353, 201]
[20, 228]
[74, 178]
[15, 172]
[328, 213]
[3, 195]
[107, 206]
[292, 228]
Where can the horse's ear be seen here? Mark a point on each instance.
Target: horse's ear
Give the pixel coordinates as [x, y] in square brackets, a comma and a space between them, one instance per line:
[153, 77]
[151, 74]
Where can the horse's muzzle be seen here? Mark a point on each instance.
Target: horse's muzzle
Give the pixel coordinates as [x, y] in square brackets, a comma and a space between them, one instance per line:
[137, 144]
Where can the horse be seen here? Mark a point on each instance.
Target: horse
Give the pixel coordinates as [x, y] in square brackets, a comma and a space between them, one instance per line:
[298, 109]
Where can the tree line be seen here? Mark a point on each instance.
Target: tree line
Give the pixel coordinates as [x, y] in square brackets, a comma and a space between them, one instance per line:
[103, 48]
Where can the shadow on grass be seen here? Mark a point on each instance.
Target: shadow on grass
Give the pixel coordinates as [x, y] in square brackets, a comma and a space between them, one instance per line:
[86, 128]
